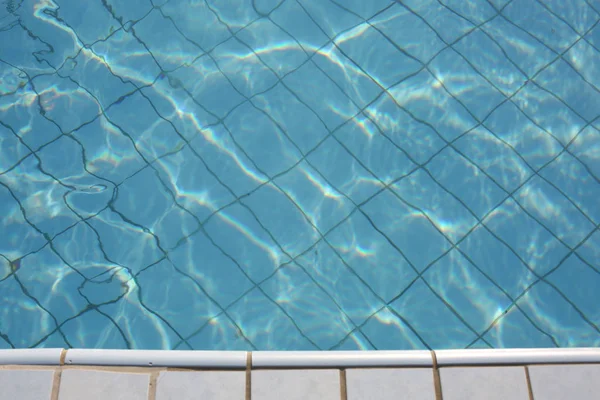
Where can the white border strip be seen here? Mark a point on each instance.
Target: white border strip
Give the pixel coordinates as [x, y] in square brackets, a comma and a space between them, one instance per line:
[518, 356]
[296, 359]
[30, 356]
[299, 359]
[157, 358]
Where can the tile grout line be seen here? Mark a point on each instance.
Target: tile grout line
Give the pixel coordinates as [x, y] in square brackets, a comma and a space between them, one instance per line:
[343, 386]
[56, 384]
[248, 375]
[528, 379]
[437, 382]
[153, 382]
[58, 375]
[63, 356]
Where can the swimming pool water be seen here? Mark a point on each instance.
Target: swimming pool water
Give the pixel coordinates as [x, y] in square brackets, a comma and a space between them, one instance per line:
[299, 174]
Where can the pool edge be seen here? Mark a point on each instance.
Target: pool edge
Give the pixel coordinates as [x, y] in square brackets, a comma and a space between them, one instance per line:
[297, 359]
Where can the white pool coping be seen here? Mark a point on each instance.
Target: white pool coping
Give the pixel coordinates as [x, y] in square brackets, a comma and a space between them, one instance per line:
[297, 359]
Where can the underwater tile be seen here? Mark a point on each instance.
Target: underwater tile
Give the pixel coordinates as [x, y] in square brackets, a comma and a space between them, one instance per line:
[477, 299]
[282, 219]
[500, 162]
[557, 317]
[319, 11]
[224, 160]
[92, 328]
[108, 153]
[234, 16]
[17, 236]
[407, 229]
[408, 31]
[214, 93]
[344, 285]
[220, 333]
[586, 148]
[492, 257]
[320, 203]
[160, 216]
[299, 122]
[244, 240]
[590, 250]
[531, 242]
[569, 174]
[417, 139]
[337, 66]
[48, 280]
[176, 297]
[251, 128]
[383, 269]
[168, 46]
[354, 341]
[22, 115]
[340, 169]
[266, 325]
[531, 142]
[386, 331]
[318, 92]
[292, 17]
[94, 75]
[451, 218]
[172, 101]
[492, 63]
[428, 102]
[41, 198]
[194, 187]
[29, 322]
[437, 326]
[243, 67]
[578, 282]
[152, 136]
[210, 266]
[548, 112]
[141, 251]
[568, 85]
[464, 84]
[65, 102]
[518, 44]
[463, 179]
[539, 22]
[208, 34]
[554, 211]
[277, 49]
[141, 327]
[363, 140]
[11, 148]
[309, 305]
[377, 56]
[448, 25]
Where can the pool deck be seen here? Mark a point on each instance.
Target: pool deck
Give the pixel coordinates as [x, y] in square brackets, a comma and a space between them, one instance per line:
[58, 374]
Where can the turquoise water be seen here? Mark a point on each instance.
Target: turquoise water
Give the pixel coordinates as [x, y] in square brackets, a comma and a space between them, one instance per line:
[299, 174]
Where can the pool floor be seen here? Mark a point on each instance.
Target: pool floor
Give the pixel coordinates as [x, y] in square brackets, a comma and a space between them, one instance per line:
[299, 174]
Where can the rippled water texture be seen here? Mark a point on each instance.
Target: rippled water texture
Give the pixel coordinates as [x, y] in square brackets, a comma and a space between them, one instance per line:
[299, 174]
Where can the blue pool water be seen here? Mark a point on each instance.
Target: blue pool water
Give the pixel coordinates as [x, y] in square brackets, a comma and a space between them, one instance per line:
[299, 174]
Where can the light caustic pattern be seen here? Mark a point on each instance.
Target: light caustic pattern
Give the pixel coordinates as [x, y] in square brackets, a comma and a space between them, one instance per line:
[299, 174]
